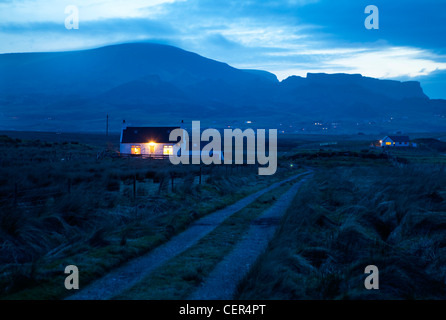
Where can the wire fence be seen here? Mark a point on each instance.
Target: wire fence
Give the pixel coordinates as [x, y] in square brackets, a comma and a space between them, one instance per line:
[198, 174]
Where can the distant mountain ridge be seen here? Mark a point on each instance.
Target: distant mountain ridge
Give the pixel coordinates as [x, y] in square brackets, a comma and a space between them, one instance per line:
[391, 88]
[156, 84]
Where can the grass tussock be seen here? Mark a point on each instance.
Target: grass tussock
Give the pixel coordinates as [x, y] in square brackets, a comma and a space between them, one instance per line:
[347, 218]
[61, 205]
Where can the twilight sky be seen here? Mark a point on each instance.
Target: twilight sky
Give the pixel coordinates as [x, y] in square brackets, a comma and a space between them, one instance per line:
[286, 37]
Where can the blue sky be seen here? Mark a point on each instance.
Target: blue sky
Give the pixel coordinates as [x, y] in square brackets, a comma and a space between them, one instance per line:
[286, 37]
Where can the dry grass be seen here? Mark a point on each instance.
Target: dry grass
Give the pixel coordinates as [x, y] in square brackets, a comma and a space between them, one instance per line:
[71, 208]
[348, 218]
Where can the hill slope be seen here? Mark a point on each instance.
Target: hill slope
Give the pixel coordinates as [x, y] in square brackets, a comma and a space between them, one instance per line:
[152, 84]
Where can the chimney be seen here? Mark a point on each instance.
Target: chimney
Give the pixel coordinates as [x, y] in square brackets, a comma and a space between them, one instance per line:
[124, 125]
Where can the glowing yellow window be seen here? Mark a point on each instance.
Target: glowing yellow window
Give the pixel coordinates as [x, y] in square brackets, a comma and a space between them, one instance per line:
[168, 150]
[388, 143]
[136, 149]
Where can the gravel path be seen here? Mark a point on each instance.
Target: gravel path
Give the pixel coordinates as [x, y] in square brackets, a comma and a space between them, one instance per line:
[128, 275]
[222, 282]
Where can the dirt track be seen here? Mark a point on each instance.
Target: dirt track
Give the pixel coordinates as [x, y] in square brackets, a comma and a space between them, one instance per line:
[222, 282]
[134, 271]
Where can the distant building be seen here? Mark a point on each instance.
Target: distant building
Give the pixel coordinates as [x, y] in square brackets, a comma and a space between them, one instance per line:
[146, 141]
[154, 142]
[395, 141]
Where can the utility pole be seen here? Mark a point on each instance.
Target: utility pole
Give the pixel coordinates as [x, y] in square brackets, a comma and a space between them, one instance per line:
[106, 130]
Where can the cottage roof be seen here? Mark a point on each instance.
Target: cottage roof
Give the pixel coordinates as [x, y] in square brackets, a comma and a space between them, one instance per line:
[147, 134]
[400, 138]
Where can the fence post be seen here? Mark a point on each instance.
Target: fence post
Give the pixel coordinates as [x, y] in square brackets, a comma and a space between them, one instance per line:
[134, 186]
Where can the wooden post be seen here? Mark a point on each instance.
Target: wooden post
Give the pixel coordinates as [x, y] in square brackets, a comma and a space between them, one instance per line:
[134, 186]
[106, 130]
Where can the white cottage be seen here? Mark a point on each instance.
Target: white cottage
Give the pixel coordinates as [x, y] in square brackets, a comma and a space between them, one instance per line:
[395, 141]
[146, 141]
[154, 142]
